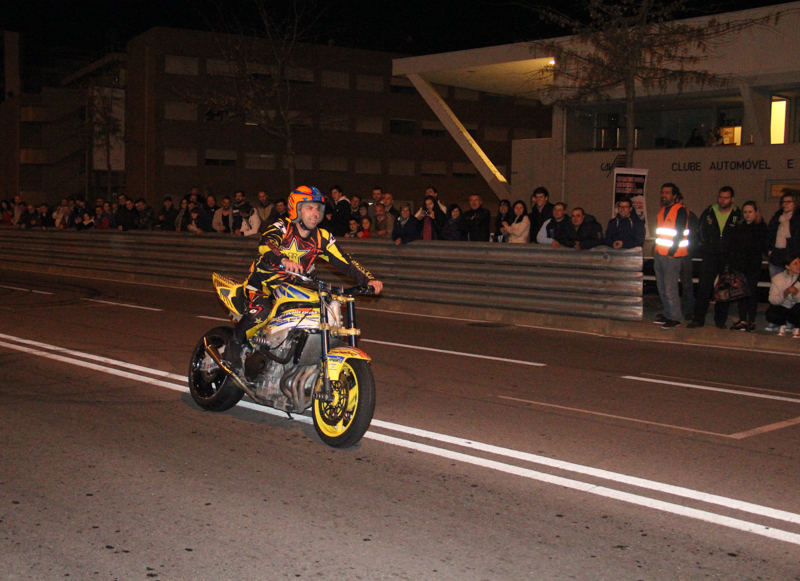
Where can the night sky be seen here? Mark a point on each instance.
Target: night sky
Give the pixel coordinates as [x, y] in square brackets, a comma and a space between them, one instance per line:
[407, 26]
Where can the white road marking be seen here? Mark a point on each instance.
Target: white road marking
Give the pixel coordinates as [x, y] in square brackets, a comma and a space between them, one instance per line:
[97, 358]
[765, 429]
[460, 353]
[122, 305]
[214, 318]
[27, 290]
[511, 469]
[719, 383]
[627, 419]
[718, 389]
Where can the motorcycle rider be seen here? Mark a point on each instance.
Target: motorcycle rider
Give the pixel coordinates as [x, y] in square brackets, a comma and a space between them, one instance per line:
[289, 245]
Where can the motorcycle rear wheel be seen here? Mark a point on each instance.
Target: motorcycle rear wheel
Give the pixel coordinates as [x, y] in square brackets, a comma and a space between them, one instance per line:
[212, 390]
[342, 422]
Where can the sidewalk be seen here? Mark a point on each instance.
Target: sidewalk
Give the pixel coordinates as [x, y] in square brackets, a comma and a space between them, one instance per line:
[645, 329]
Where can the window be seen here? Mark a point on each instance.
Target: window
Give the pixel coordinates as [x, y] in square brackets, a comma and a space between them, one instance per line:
[402, 86]
[464, 170]
[778, 121]
[402, 126]
[495, 133]
[180, 111]
[300, 76]
[368, 166]
[369, 125]
[334, 122]
[263, 161]
[333, 163]
[335, 80]
[181, 65]
[433, 168]
[401, 167]
[222, 157]
[433, 129]
[300, 162]
[372, 83]
[184, 157]
[220, 67]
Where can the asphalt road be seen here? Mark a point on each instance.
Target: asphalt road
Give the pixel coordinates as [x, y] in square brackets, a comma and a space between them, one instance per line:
[497, 452]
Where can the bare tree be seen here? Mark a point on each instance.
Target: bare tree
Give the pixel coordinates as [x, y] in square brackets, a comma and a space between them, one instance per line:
[261, 76]
[105, 125]
[632, 44]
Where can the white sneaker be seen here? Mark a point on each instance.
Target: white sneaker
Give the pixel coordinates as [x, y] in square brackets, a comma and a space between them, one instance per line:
[782, 331]
[796, 333]
[771, 328]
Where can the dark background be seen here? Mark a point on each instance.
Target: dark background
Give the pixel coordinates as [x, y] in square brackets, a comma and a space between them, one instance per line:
[408, 26]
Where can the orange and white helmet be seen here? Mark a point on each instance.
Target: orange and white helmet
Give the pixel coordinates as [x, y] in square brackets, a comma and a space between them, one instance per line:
[304, 195]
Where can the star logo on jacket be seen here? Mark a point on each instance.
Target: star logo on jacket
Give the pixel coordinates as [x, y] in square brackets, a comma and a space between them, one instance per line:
[293, 253]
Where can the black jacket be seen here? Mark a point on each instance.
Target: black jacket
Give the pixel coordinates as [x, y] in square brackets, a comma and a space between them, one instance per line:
[747, 245]
[589, 234]
[710, 241]
[475, 224]
[792, 244]
[538, 218]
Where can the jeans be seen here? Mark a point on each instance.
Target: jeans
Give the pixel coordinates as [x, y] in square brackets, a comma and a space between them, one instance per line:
[710, 267]
[668, 270]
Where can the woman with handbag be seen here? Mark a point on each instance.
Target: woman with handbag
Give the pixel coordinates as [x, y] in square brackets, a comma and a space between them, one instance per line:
[748, 244]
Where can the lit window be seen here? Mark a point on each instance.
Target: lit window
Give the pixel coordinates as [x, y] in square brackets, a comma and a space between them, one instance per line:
[778, 123]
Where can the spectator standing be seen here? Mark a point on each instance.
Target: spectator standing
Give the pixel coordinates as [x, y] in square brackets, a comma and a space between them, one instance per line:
[340, 215]
[451, 228]
[62, 216]
[503, 215]
[518, 229]
[748, 244]
[353, 231]
[223, 217]
[366, 227]
[85, 223]
[583, 232]
[626, 230]
[239, 200]
[687, 263]
[181, 219]
[127, 216]
[251, 223]
[430, 219]
[784, 232]
[475, 221]
[671, 246]
[355, 202]
[167, 215]
[266, 211]
[405, 227]
[383, 224]
[29, 219]
[388, 202]
[716, 224]
[431, 191]
[377, 196]
[145, 217]
[44, 216]
[7, 217]
[79, 209]
[102, 219]
[194, 220]
[19, 208]
[547, 233]
[541, 209]
[784, 297]
[280, 209]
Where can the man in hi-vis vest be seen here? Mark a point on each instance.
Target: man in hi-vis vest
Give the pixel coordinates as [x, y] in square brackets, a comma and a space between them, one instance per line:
[672, 243]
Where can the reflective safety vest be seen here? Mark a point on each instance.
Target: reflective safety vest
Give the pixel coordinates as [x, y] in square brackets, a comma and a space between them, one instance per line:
[666, 233]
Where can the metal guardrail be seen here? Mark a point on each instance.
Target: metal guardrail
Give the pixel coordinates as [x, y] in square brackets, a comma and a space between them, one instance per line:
[601, 283]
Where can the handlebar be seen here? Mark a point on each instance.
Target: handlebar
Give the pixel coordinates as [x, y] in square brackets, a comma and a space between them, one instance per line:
[364, 290]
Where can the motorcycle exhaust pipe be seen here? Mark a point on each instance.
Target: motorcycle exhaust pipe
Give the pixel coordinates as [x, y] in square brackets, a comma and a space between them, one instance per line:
[214, 354]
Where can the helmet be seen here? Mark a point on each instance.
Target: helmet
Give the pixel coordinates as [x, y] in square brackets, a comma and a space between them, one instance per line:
[302, 195]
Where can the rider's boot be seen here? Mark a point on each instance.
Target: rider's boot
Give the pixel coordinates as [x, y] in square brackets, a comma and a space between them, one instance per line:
[233, 350]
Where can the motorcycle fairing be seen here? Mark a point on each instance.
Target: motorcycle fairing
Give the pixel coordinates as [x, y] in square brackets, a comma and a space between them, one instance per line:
[294, 319]
[226, 289]
[337, 357]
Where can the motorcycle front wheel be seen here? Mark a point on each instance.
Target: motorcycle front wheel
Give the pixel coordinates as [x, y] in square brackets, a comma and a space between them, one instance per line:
[210, 387]
[342, 422]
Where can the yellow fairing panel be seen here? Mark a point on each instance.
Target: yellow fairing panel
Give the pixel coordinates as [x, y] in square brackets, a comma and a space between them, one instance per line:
[337, 357]
[226, 289]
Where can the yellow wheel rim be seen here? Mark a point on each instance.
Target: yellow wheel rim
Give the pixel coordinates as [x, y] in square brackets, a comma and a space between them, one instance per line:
[335, 417]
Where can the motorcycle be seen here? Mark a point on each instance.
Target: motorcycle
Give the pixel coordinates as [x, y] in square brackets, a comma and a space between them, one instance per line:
[305, 357]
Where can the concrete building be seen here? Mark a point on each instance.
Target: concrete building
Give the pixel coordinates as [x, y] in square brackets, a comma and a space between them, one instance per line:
[758, 111]
[357, 126]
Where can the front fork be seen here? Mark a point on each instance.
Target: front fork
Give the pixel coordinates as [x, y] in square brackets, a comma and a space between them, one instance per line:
[327, 392]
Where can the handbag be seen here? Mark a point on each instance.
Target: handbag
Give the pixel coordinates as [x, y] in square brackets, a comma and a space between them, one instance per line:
[731, 285]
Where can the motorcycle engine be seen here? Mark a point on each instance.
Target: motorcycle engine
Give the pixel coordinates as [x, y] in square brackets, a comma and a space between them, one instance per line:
[265, 373]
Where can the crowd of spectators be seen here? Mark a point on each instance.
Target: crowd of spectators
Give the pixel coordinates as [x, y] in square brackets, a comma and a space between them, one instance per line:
[724, 237]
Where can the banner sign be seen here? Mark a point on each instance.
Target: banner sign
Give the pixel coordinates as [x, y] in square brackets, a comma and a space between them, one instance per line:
[630, 183]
